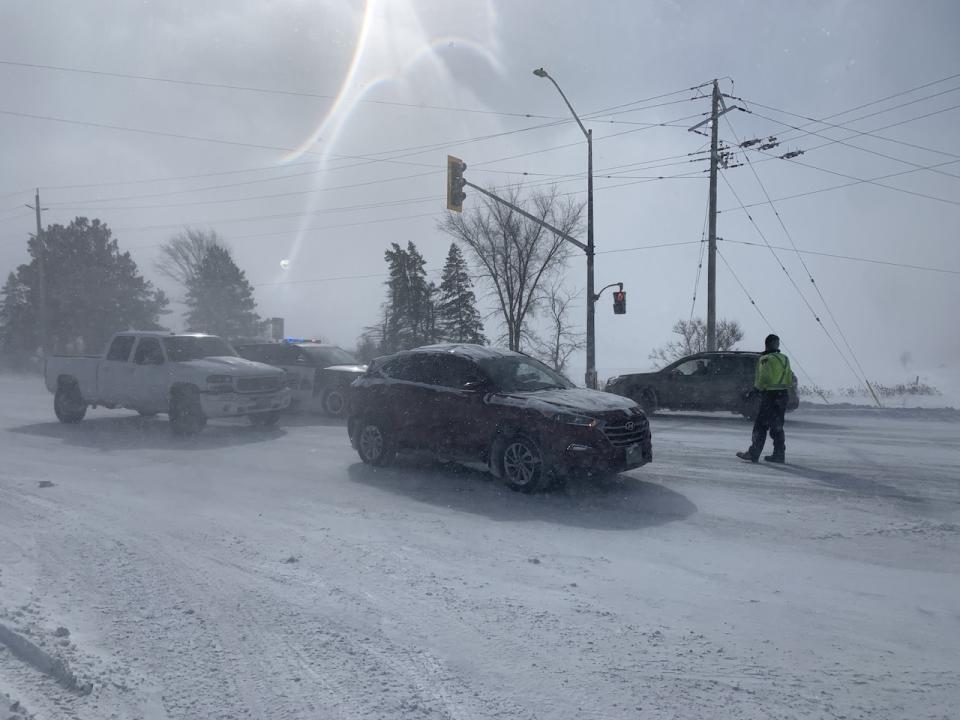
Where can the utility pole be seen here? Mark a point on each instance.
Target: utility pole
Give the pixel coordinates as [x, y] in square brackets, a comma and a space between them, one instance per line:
[712, 238]
[717, 108]
[41, 275]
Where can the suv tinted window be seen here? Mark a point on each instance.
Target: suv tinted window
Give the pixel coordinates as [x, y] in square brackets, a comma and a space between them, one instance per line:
[699, 366]
[120, 348]
[418, 367]
[727, 365]
[455, 372]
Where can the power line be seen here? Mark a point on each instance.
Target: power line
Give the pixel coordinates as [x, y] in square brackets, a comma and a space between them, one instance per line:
[884, 99]
[322, 96]
[703, 247]
[790, 278]
[837, 187]
[756, 307]
[867, 181]
[270, 91]
[845, 142]
[803, 262]
[855, 258]
[868, 133]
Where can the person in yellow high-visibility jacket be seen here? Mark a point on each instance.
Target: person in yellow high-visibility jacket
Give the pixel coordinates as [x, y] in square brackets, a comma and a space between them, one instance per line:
[773, 381]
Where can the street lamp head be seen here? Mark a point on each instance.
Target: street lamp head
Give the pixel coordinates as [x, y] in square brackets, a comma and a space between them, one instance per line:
[540, 72]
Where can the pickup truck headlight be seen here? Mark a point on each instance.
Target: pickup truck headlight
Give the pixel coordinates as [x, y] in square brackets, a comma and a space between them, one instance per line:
[571, 419]
[220, 383]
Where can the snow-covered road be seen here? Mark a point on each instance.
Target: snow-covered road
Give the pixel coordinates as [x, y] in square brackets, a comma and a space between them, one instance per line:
[244, 574]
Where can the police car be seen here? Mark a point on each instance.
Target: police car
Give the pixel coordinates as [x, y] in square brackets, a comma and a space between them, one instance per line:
[318, 375]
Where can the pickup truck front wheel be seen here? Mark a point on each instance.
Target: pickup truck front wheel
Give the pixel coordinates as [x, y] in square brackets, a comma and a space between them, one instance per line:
[68, 405]
[186, 413]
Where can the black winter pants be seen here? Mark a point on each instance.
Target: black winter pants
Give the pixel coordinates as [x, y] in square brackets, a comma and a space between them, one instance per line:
[773, 407]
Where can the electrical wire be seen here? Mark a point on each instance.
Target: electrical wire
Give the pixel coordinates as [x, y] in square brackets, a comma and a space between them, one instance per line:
[836, 187]
[803, 262]
[793, 282]
[703, 247]
[845, 142]
[796, 361]
[855, 258]
[868, 133]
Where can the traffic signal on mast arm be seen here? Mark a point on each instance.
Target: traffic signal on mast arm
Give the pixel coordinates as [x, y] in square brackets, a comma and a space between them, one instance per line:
[620, 302]
[455, 183]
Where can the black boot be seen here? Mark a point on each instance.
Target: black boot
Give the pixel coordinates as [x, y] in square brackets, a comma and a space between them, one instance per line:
[775, 458]
[747, 456]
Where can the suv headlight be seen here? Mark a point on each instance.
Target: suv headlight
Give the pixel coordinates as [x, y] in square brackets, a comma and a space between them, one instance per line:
[572, 419]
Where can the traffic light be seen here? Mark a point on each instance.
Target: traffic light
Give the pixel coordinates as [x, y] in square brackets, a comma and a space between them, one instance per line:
[455, 183]
[620, 302]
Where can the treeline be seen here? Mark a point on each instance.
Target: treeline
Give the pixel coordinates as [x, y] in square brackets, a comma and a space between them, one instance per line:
[89, 288]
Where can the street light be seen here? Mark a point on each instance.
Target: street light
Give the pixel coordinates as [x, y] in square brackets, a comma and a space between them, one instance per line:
[591, 374]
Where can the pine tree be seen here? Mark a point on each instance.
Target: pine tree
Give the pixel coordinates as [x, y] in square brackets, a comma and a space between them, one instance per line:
[409, 312]
[18, 339]
[220, 298]
[92, 291]
[458, 319]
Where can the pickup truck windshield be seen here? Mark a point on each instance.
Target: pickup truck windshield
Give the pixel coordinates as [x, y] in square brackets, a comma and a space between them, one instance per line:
[520, 374]
[194, 348]
[327, 356]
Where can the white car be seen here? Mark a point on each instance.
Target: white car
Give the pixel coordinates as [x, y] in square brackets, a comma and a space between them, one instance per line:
[190, 377]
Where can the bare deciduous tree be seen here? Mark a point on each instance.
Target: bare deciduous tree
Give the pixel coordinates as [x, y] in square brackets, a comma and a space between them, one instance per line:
[561, 339]
[181, 255]
[515, 255]
[693, 339]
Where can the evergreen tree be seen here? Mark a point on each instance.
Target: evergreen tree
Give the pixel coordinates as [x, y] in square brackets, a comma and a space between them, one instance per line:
[18, 339]
[220, 298]
[409, 313]
[458, 319]
[92, 291]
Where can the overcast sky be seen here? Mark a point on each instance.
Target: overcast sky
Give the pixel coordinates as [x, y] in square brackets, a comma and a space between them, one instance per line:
[353, 156]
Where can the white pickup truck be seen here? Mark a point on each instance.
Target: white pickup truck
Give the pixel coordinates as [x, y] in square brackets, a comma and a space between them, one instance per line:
[191, 377]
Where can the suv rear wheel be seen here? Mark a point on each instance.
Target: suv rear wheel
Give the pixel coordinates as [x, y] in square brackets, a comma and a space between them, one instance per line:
[521, 464]
[375, 446]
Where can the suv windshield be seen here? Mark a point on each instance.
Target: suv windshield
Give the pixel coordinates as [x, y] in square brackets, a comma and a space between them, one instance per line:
[327, 356]
[522, 374]
[194, 348]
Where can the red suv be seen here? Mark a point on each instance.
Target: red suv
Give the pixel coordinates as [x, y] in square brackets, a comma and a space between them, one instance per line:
[516, 416]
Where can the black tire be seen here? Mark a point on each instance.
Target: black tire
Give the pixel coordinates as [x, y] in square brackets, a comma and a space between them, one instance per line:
[186, 412]
[646, 398]
[521, 466]
[68, 404]
[375, 444]
[265, 420]
[334, 403]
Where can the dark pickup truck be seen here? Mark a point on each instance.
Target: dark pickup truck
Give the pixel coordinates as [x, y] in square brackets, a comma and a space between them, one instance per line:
[705, 381]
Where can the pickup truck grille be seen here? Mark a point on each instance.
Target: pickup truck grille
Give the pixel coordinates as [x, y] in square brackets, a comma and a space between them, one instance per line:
[269, 383]
[626, 433]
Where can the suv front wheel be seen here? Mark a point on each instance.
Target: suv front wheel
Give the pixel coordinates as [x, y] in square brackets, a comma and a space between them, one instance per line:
[375, 446]
[521, 464]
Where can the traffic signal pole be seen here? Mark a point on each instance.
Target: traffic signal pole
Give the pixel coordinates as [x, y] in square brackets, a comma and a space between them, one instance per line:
[528, 216]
